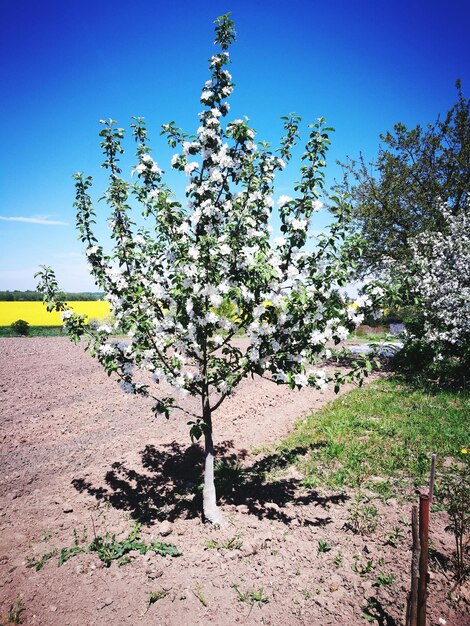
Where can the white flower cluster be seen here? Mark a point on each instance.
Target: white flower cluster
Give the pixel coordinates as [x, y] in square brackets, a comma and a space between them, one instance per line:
[439, 275]
[66, 315]
[147, 164]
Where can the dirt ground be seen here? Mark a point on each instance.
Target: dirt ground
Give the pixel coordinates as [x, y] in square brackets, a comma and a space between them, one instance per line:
[79, 457]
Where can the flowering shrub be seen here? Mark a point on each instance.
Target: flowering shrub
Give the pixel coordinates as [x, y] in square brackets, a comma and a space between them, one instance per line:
[440, 281]
[436, 280]
[182, 287]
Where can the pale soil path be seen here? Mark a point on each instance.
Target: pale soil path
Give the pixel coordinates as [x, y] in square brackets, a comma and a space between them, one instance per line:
[76, 452]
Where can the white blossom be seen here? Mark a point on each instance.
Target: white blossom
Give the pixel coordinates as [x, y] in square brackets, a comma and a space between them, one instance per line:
[342, 333]
[211, 317]
[284, 200]
[215, 299]
[190, 167]
[107, 349]
[105, 328]
[206, 95]
[301, 380]
[297, 224]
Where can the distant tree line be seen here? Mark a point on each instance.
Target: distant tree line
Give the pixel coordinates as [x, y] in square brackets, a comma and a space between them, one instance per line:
[36, 296]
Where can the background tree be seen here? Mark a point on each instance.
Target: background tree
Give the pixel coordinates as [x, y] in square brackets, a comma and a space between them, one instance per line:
[436, 279]
[398, 196]
[193, 276]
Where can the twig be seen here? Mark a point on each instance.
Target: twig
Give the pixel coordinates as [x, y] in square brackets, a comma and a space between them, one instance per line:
[431, 479]
[93, 524]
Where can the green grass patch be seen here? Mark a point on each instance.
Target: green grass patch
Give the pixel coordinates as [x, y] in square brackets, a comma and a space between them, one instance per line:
[353, 339]
[33, 331]
[361, 336]
[41, 331]
[380, 437]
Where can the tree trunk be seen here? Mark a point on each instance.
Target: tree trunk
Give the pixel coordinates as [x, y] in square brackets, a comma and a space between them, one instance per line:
[211, 510]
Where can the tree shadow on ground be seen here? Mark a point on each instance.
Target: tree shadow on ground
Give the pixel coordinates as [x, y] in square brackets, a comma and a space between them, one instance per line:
[439, 561]
[374, 611]
[169, 485]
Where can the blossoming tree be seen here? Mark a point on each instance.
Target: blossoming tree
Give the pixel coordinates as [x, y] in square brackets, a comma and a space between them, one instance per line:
[436, 278]
[202, 272]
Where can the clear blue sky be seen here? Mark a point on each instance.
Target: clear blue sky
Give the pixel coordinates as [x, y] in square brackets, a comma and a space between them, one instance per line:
[64, 65]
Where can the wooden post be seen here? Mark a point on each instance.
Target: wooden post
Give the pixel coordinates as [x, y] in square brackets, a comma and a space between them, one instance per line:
[412, 613]
[423, 557]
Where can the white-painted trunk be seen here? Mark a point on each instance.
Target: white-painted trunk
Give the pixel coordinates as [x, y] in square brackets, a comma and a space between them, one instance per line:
[211, 511]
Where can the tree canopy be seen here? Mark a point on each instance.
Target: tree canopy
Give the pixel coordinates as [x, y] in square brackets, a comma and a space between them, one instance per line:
[398, 196]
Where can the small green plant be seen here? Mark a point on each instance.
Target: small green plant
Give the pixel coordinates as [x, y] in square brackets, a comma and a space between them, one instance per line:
[77, 538]
[258, 597]
[324, 546]
[362, 568]
[68, 553]
[395, 536]
[41, 561]
[15, 612]
[235, 543]
[20, 327]
[363, 516]
[308, 595]
[338, 559]
[456, 498]
[199, 595]
[252, 597]
[108, 549]
[384, 580]
[155, 596]
[229, 475]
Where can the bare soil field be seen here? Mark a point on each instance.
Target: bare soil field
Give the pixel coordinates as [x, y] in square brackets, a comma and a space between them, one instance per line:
[80, 458]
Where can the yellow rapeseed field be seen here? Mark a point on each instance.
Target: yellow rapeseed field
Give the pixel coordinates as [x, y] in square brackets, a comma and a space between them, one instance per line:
[35, 313]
